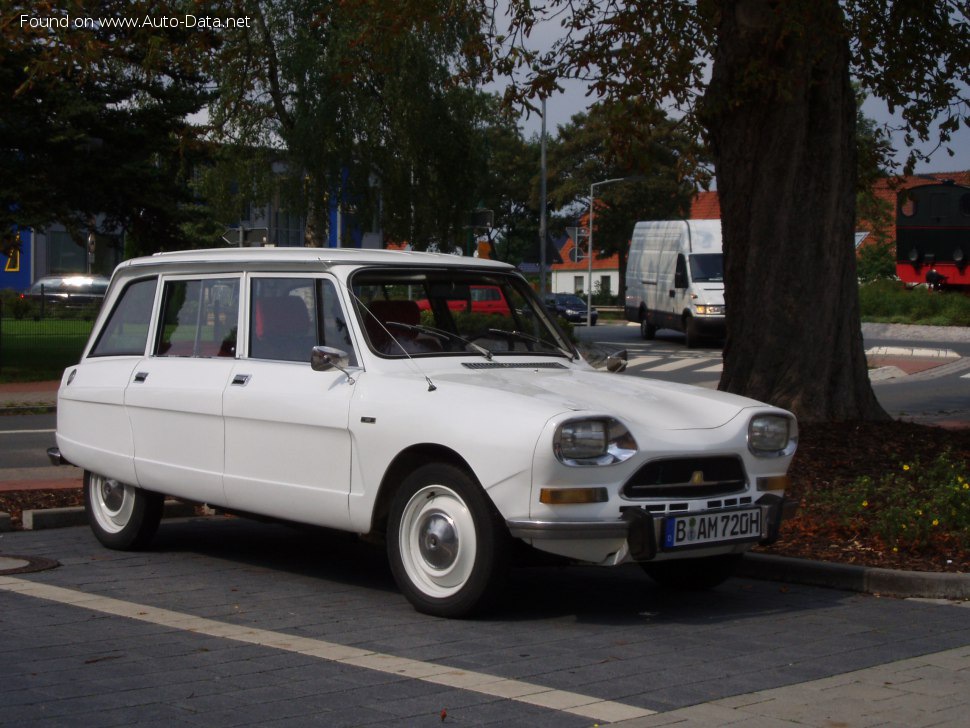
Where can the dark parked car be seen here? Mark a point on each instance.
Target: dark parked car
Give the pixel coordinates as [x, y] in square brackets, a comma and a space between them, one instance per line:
[68, 291]
[571, 307]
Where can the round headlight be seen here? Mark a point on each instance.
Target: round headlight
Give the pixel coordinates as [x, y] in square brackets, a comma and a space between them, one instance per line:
[593, 441]
[771, 435]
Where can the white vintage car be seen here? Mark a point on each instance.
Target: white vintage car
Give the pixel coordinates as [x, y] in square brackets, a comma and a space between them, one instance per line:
[365, 391]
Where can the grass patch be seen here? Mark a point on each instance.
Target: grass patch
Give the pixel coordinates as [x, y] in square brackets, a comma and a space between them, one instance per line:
[32, 351]
[892, 303]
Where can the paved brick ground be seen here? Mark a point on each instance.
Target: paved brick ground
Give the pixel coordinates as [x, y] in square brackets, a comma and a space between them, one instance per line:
[751, 652]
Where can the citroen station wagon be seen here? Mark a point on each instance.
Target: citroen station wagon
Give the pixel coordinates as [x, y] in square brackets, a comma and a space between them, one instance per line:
[311, 386]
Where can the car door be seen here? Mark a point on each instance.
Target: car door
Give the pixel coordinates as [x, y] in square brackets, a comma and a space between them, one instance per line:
[92, 424]
[288, 446]
[174, 398]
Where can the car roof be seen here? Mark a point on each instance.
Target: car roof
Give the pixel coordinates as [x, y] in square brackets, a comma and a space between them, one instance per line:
[80, 277]
[327, 257]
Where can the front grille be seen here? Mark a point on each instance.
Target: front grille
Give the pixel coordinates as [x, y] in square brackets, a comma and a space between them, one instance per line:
[687, 478]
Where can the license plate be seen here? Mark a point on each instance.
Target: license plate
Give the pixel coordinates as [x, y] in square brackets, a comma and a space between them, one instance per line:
[701, 529]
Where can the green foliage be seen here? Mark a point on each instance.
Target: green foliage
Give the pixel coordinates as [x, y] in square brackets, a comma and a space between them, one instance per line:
[94, 121]
[368, 106]
[876, 261]
[616, 140]
[13, 306]
[917, 506]
[913, 55]
[508, 185]
[888, 301]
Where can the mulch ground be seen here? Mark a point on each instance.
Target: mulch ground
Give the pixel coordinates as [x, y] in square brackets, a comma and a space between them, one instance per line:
[831, 455]
[828, 455]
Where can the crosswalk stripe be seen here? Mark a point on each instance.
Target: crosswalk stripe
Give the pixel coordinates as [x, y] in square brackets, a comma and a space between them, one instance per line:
[673, 365]
[635, 359]
[719, 367]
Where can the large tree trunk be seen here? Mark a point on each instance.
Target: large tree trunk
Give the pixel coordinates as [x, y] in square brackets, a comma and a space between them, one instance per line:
[781, 113]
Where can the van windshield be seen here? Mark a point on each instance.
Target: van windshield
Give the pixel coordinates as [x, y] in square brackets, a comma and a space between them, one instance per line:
[707, 268]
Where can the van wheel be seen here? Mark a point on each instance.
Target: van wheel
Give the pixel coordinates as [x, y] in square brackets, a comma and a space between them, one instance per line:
[121, 516]
[693, 574]
[447, 545]
[690, 331]
[647, 330]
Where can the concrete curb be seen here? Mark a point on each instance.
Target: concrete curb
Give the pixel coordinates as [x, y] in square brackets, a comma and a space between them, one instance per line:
[767, 567]
[36, 520]
[849, 577]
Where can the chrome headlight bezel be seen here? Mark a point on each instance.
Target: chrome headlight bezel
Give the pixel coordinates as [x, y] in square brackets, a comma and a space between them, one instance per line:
[772, 435]
[593, 441]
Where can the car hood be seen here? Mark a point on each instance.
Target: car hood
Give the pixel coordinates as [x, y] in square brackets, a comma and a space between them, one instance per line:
[712, 292]
[650, 403]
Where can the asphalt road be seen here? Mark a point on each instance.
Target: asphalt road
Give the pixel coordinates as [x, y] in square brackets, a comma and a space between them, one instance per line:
[939, 391]
[24, 440]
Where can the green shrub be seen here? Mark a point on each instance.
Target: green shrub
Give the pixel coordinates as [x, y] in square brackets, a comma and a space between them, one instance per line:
[891, 302]
[916, 507]
[876, 261]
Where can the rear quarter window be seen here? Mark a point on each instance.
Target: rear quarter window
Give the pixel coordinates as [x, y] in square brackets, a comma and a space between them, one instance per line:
[125, 332]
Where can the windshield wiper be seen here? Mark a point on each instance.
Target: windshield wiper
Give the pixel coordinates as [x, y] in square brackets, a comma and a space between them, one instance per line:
[443, 335]
[522, 336]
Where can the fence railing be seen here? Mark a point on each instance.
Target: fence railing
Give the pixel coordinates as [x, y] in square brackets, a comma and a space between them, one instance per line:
[40, 342]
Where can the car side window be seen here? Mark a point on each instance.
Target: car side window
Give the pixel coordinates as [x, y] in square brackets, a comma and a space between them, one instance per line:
[126, 331]
[289, 316]
[283, 319]
[199, 318]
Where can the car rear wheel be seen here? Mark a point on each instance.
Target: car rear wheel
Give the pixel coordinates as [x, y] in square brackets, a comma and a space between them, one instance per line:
[647, 330]
[122, 516]
[447, 545]
[693, 574]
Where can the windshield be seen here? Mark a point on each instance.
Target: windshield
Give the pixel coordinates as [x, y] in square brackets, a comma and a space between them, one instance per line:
[574, 301]
[453, 312]
[707, 268]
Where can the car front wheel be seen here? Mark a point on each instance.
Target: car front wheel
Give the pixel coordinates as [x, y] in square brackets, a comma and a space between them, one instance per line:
[122, 516]
[447, 545]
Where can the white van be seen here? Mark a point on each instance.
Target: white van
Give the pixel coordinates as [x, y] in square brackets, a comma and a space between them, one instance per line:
[675, 278]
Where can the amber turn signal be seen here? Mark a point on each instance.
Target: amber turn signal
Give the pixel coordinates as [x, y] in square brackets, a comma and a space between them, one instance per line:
[572, 496]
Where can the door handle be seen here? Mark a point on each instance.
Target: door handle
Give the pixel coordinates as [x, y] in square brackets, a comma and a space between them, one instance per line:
[241, 380]
[141, 377]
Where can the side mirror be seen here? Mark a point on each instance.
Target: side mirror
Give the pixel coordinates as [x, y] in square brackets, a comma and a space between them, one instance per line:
[325, 358]
[617, 361]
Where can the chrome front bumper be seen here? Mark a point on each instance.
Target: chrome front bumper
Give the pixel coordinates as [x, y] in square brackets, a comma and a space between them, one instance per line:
[639, 528]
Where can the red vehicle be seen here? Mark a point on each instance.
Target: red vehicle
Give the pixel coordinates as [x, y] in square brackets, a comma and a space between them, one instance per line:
[482, 299]
[933, 235]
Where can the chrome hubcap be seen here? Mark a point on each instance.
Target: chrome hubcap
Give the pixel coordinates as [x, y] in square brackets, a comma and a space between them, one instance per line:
[438, 540]
[112, 495]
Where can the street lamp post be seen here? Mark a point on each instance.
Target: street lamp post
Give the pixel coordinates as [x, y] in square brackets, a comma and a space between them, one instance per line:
[589, 274]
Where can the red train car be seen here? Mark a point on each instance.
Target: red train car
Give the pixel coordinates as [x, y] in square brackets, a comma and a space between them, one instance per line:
[933, 235]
